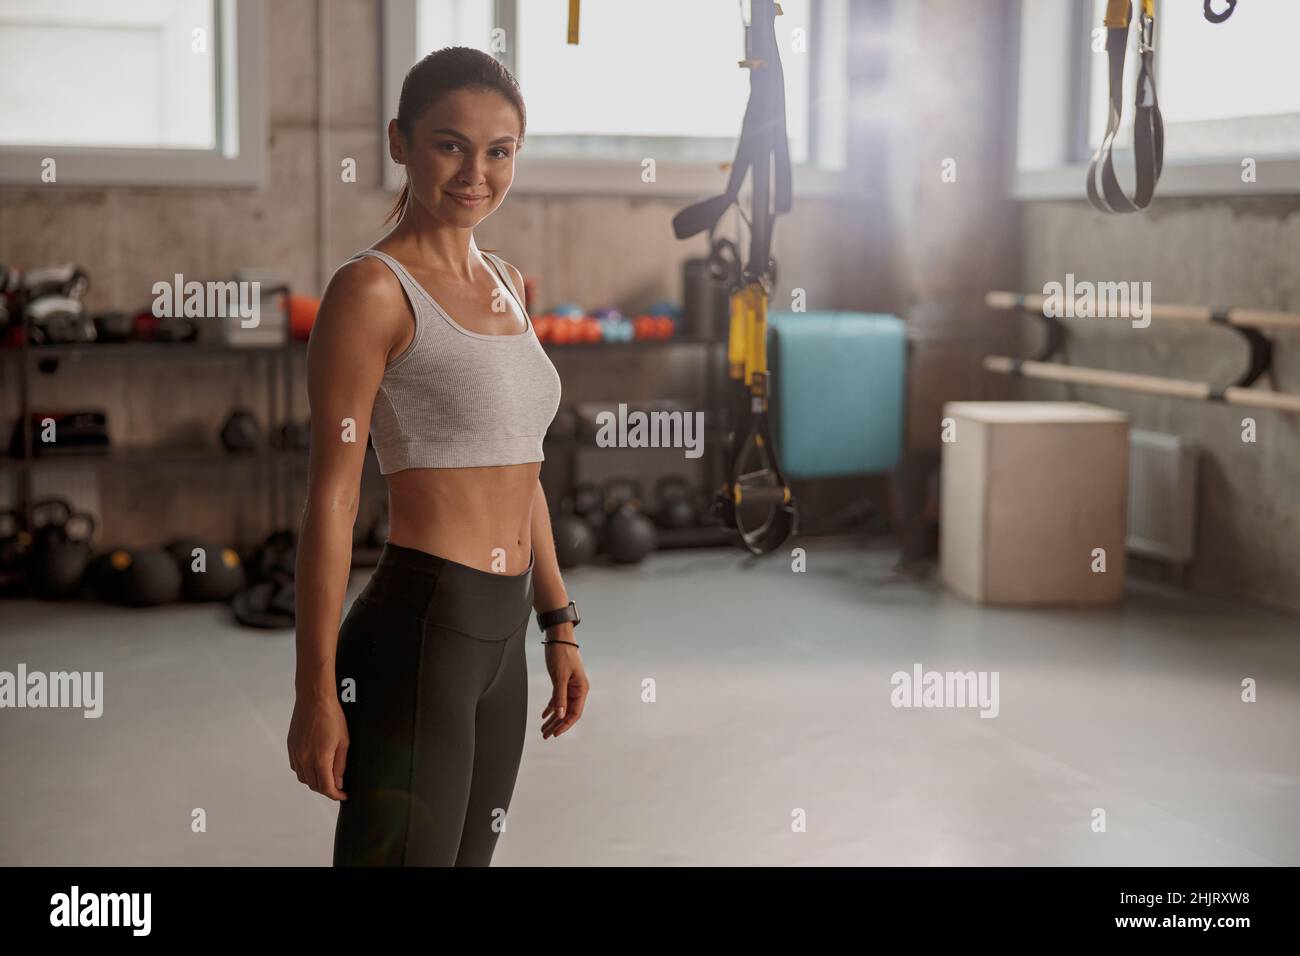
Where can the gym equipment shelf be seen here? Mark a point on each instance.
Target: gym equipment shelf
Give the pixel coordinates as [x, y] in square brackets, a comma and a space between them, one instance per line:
[278, 412]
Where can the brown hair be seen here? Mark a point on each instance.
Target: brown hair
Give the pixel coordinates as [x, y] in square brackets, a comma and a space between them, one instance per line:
[445, 71]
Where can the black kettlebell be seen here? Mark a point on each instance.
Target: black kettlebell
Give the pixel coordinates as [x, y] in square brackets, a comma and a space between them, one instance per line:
[47, 519]
[60, 553]
[676, 508]
[620, 492]
[587, 497]
[15, 549]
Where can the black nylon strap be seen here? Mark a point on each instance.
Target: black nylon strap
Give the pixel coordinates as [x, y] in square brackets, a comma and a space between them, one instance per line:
[1148, 126]
[1219, 17]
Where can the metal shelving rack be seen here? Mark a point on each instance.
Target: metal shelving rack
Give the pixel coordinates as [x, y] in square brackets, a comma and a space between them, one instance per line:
[278, 407]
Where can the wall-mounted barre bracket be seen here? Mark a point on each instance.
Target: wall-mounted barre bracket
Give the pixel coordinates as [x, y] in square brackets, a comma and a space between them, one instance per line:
[1056, 333]
[1261, 348]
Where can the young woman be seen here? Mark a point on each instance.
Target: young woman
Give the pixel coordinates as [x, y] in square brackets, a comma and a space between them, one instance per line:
[416, 721]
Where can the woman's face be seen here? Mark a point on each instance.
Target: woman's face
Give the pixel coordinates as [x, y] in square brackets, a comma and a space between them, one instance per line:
[461, 157]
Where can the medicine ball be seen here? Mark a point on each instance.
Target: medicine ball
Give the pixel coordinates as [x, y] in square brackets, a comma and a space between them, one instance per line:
[137, 578]
[215, 575]
[107, 572]
[575, 540]
[631, 536]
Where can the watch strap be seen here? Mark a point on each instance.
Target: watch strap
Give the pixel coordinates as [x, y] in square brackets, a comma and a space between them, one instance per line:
[548, 619]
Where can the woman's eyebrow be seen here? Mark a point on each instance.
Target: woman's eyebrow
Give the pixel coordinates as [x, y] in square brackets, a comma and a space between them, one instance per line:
[461, 136]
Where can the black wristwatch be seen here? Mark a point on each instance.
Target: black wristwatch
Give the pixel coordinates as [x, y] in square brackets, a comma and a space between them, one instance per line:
[548, 619]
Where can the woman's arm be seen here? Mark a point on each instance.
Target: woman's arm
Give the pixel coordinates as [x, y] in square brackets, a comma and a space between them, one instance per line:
[359, 321]
[568, 677]
[548, 586]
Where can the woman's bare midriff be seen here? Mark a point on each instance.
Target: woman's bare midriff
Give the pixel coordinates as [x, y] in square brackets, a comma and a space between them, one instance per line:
[466, 514]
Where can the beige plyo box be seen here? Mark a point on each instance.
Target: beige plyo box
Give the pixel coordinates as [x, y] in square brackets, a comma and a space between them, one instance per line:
[1030, 491]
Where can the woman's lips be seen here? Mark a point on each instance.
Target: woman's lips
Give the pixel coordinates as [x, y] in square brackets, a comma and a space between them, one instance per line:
[466, 200]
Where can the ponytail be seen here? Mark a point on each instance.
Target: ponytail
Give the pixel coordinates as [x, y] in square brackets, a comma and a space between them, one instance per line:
[402, 196]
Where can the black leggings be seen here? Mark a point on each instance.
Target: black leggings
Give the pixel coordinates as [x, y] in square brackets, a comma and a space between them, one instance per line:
[436, 711]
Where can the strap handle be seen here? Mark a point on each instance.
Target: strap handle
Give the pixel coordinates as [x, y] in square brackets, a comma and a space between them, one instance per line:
[1219, 17]
[1148, 125]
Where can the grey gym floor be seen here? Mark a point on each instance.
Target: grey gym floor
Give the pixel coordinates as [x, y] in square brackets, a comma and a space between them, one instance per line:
[772, 695]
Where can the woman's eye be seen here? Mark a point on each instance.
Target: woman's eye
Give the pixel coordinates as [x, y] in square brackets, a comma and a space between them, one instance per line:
[500, 151]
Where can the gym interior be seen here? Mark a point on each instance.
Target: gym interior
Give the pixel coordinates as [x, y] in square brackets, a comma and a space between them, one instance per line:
[984, 377]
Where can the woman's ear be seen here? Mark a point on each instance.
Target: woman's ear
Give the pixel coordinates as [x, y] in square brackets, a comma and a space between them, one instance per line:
[396, 146]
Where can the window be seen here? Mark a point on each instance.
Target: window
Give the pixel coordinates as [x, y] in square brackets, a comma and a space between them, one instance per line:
[658, 82]
[1227, 91]
[154, 92]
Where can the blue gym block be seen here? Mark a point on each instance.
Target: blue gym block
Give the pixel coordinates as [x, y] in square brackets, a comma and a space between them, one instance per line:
[840, 387]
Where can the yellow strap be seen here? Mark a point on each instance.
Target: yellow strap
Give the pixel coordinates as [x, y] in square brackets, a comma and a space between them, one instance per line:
[573, 21]
[736, 336]
[760, 329]
[751, 318]
[1118, 12]
[1149, 8]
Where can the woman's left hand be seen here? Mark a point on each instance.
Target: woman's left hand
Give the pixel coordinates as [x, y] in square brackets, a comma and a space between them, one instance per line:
[570, 686]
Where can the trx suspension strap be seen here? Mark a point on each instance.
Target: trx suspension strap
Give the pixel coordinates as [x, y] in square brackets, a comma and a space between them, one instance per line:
[752, 474]
[571, 35]
[1219, 17]
[1148, 127]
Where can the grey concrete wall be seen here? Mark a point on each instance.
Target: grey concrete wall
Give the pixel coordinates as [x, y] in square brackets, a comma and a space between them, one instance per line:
[952, 236]
[1208, 252]
[594, 250]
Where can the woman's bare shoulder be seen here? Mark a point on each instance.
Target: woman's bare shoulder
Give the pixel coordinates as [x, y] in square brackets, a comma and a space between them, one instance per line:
[364, 296]
[366, 279]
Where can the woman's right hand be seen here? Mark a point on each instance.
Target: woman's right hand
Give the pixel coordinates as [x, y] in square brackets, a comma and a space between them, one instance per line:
[318, 744]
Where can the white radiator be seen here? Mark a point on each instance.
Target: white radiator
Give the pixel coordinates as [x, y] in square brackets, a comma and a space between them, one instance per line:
[1161, 497]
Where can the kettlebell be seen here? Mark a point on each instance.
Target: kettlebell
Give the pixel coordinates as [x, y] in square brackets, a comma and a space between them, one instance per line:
[676, 509]
[15, 548]
[60, 554]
